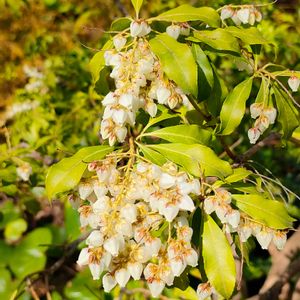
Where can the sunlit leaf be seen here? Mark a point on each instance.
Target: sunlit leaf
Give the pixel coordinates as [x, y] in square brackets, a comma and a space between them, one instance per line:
[218, 260]
[177, 61]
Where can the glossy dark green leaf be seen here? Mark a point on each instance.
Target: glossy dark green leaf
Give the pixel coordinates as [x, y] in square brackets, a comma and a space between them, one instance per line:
[177, 61]
[288, 116]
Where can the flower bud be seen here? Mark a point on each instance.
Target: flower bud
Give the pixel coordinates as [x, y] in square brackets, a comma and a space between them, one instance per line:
[279, 239]
[173, 31]
[294, 83]
[24, 171]
[185, 29]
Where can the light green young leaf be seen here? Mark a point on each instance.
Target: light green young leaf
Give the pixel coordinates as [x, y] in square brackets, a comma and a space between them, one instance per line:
[218, 39]
[152, 155]
[238, 174]
[185, 134]
[288, 116]
[137, 4]
[196, 159]
[234, 107]
[177, 61]
[250, 36]
[97, 62]
[269, 212]
[120, 24]
[218, 260]
[263, 93]
[185, 13]
[64, 175]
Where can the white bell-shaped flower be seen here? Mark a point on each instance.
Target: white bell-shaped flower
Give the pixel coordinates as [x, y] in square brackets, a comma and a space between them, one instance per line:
[256, 110]
[122, 276]
[173, 31]
[95, 239]
[244, 14]
[139, 28]
[279, 239]
[264, 238]
[119, 42]
[109, 282]
[253, 135]
[226, 12]
[135, 269]
[294, 83]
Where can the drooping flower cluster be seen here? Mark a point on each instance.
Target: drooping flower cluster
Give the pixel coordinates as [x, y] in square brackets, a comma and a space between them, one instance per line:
[242, 224]
[264, 117]
[140, 83]
[247, 14]
[123, 208]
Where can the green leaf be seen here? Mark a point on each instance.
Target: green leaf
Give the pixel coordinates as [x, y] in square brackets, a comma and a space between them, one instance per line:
[205, 73]
[137, 4]
[288, 117]
[14, 230]
[97, 62]
[238, 174]
[271, 213]
[6, 286]
[152, 155]
[177, 61]
[29, 256]
[185, 134]
[185, 13]
[250, 36]
[234, 107]
[66, 174]
[218, 39]
[263, 93]
[218, 259]
[196, 159]
[120, 24]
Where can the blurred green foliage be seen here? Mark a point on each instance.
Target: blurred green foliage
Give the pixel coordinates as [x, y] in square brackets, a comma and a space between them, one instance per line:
[48, 110]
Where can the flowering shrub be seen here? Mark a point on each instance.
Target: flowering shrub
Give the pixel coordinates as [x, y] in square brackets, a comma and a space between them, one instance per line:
[155, 198]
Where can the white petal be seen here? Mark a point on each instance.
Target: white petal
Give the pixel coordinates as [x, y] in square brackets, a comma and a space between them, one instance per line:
[279, 239]
[209, 205]
[126, 100]
[244, 14]
[256, 110]
[119, 116]
[96, 270]
[153, 246]
[264, 238]
[173, 31]
[109, 99]
[95, 239]
[244, 233]
[169, 211]
[226, 13]
[233, 218]
[121, 134]
[119, 42]
[122, 276]
[204, 290]
[112, 245]
[162, 95]
[108, 282]
[156, 288]
[192, 258]
[271, 114]
[135, 29]
[294, 83]
[85, 189]
[135, 270]
[129, 212]
[83, 258]
[101, 205]
[177, 266]
[253, 135]
[100, 189]
[166, 181]
[186, 203]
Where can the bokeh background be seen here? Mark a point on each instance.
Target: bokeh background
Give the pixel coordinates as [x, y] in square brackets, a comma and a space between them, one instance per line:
[48, 110]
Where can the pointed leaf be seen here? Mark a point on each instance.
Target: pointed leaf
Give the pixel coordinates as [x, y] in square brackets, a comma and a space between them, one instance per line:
[218, 260]
[185, 13]
[137, 4]
[218, 39]
[97, 62]
[177, 61]
[185, 134]
[66, 174]
[152, 155]
[250, 36]
[269, 212]
[288, 116]
[195, 159]
[234, 107]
